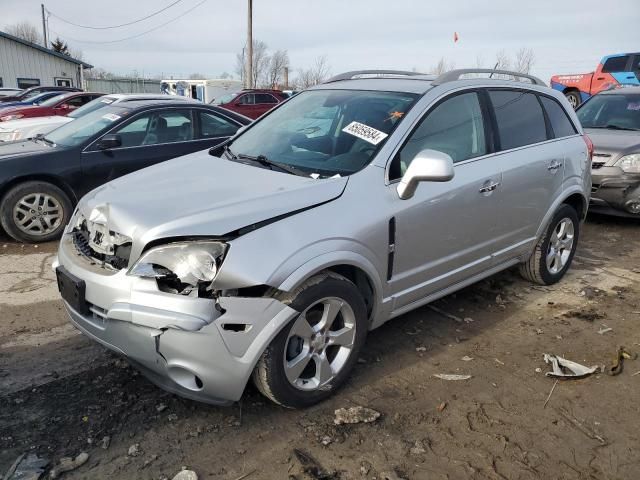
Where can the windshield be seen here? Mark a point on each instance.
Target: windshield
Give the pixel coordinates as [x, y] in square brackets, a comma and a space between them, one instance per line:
[74, 133]
[24, 96]
[326, 132]
[615, 111]
[50, 102]
[224, 98]
[93, 105]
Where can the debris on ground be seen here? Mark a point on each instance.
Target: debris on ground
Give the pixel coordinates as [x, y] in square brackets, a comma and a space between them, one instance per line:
[67, 464]
[185, 474]
[418, 448]
[134, 450]
[27, 467]
[105, 442]
[466, 358]
[442, 406]
[588, 314]
[311, 467]
[566, 368]
[390, 476]
[445, 314]
[618, 362]
[451, 377]
[605, 329]
[161, 407]
[355, 415]
[421, 349]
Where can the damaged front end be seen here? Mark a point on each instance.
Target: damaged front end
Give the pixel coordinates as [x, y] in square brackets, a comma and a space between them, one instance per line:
[164, 314]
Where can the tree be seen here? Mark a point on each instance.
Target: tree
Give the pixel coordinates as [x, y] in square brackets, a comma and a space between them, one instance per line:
[196, 76]
[442, 66]
[261, 62]
[60, 46]
[26, 31]
[275, 72]
[525, 59]
[503, 62]
[314, 75]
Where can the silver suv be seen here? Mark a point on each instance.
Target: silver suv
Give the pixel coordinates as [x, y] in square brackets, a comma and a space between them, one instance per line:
[349, 204]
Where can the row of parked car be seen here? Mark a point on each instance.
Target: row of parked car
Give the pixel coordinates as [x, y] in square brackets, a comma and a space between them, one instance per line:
[271, 254]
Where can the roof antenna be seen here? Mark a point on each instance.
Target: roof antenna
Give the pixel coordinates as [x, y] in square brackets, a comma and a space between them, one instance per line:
[495, 68]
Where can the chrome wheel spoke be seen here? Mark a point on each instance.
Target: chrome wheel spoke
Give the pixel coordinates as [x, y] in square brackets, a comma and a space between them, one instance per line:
[296, 366]
[324, 372]
[301, 328]
[343, 337]
[331, 310]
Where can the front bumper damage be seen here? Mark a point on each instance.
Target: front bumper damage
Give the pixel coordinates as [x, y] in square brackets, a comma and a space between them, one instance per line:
[615, 192]
[188, 346]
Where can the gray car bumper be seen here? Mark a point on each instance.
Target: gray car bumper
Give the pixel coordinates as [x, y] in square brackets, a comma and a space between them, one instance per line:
[184, 345]
[615, 192]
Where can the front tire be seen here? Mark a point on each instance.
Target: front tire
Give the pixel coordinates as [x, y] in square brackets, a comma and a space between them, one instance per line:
[554, 251]
[33, 212]
[574, 98]
[313, 355]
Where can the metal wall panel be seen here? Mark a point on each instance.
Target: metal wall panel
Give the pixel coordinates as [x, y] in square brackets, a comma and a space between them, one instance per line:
[122, 85]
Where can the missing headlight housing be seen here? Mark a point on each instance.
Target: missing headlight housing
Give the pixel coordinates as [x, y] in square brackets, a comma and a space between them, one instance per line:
[185, 268]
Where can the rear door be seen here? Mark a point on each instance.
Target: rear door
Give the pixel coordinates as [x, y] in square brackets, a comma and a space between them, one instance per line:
[263, 103]
[245, 104]
[446, 232]
[532, 165]
[147, 138]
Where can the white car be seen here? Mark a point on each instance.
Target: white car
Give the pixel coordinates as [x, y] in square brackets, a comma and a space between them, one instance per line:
[23, 128]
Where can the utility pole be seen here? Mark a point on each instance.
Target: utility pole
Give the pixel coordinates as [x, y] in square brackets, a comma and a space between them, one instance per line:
[249, 80]
[44, 27]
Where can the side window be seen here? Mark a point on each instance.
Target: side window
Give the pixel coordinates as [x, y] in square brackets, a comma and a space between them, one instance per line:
[265, 98]
[560, 123]
[155, 128]
[78, 101]
[519, 117]
[454, 127]
[615, 64]
[215, 126]
[246, 99]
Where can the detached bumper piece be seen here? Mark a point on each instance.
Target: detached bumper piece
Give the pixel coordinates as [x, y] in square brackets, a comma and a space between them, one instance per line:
[615, 194]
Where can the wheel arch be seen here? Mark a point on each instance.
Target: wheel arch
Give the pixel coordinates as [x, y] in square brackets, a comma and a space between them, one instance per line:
[52, 179]
[575, 198]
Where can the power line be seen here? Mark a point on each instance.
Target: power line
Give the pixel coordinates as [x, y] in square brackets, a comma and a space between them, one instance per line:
[133, 36]
[114, 26]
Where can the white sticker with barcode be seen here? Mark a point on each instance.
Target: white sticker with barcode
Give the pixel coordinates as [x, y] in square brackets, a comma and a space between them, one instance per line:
[112, 117]
[365, 132]
[107, 100]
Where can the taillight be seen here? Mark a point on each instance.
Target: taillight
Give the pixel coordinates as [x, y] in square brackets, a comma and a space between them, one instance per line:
[589, 143]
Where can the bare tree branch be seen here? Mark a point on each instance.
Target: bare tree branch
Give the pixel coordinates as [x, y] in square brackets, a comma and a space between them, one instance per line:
[525, 59]
[314, 75]
[442, 66]
[26, 31]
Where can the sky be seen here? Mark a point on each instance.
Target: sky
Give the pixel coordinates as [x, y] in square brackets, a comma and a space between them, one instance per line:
[566, 36]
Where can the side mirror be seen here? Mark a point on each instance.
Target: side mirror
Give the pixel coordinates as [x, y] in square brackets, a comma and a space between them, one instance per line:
[427, 166]
[111, 140]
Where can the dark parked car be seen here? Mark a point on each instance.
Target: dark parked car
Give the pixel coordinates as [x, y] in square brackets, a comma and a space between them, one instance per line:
[60, 104]
[29, 92]
[42, 179]
[251, 103]
[612, 121]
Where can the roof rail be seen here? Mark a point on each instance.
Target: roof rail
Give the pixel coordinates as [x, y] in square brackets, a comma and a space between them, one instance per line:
[456, 74]
[381, 73]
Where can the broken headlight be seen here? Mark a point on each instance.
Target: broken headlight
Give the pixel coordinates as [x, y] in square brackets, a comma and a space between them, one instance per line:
[185, 267]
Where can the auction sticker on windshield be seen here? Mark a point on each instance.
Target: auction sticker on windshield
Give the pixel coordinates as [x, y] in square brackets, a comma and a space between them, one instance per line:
[111, 117]
[365, 132]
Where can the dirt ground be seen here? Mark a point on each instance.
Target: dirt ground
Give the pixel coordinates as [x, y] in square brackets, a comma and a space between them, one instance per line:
[61, 394]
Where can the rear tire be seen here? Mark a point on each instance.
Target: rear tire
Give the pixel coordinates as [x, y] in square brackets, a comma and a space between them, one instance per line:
[554, 251]
[35, 211]
[314, 354]
[574, 98]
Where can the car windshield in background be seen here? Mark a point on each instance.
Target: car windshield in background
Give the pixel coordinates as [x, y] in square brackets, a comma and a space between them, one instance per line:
[50, 102]
[224, 99]
[325, 132]
[618, 111]
[92, 106]
[81, 129]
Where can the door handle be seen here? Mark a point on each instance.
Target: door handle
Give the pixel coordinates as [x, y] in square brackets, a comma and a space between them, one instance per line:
[554, 166]
[600, 78]
[489, 187]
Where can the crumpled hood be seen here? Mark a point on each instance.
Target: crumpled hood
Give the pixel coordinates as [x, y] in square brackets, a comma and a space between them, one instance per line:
[201, 195]
[614, 143]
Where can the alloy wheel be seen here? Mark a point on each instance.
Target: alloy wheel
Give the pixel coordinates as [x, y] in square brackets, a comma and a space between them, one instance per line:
[560, 245]
[38, 214]
[319, 344]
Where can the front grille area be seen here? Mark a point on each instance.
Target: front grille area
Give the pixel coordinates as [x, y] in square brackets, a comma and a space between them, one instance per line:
[117, 261]
[597, 165]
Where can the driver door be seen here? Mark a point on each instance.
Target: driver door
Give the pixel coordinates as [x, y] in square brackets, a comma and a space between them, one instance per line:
[447, 231]
[147, 139]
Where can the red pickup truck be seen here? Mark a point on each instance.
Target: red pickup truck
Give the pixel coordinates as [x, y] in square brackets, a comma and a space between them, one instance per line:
[612, 71]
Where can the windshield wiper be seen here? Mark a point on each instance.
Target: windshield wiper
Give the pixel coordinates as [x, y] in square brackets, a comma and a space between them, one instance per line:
[40, 136]
[263, 160]
[228, 151]
[617, 127]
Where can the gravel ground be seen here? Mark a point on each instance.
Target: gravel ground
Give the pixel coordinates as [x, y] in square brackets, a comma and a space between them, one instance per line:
[61, 394]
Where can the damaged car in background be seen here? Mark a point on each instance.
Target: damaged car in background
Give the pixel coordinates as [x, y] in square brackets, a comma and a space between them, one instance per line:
[612, 121]
[272, 256]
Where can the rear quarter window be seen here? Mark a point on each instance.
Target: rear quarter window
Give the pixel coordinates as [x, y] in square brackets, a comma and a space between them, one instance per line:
[615, 64]
[519, 118]
[560, 123]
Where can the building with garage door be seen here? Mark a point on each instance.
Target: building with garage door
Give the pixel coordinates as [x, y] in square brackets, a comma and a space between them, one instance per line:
[24, 64]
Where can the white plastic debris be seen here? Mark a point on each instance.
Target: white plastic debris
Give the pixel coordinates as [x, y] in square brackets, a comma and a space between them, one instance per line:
[566, 368]
[451, 377]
